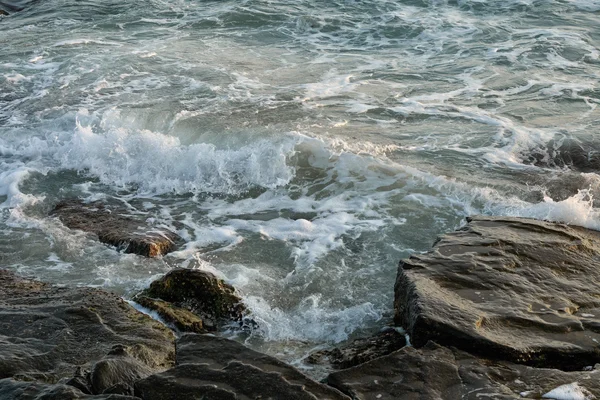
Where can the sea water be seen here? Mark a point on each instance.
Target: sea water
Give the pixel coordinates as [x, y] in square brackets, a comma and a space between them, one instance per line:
[301, 148]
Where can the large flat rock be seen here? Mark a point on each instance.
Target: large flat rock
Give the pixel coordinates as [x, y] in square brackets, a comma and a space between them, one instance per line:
[507, 288]
[216, 368]
[435, 372]
[47, 332]
[116, 229]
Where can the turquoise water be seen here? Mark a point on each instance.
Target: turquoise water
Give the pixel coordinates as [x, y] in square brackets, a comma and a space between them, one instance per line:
[301, 149]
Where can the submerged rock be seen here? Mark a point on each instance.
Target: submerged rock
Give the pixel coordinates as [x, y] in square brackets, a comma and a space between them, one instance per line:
[507, 288]
[578, 155]
[199, 292]
[435, 372]
[48, 332]
[215, 368]
[123, 232]
[360, 350]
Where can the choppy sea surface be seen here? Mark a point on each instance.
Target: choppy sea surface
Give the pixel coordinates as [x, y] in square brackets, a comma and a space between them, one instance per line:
[301, 148]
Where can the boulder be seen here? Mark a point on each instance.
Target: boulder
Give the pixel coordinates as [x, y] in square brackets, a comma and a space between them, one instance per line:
[180, 318]
[117, 372]
[216, 368]
[199, 292]
[507, 288]
[48, 332]
[16, 390]
[360, 350]
[2, 12]
[435, 372]
[112, 227]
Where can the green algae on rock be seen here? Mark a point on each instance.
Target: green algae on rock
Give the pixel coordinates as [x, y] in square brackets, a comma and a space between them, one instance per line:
[199, 292]
[182, 319]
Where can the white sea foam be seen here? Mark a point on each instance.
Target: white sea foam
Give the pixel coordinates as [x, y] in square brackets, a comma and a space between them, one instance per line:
[571, 391]
[311, 320]
[75, 42]
[159, 163]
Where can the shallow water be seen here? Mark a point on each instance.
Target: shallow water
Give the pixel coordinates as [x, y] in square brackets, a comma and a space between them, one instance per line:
[300, 149]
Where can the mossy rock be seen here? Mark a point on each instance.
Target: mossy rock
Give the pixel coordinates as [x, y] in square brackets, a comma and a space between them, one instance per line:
[200, 292]
[182, 319]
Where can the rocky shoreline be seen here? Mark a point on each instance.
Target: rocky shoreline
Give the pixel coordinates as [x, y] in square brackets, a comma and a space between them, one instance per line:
[503, 308]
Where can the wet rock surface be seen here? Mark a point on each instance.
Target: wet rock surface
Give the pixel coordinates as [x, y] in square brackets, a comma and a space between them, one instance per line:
[360, 350]
[507, 288]
[200, 292]
[569, 153]
[216, 368]
[180, 318]
[117, 372]
[435, 372]
[48, 332]
[115, 228]
[15, 390]
[17, 5]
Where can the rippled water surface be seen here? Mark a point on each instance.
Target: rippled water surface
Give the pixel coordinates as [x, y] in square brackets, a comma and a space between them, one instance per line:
[300, 148]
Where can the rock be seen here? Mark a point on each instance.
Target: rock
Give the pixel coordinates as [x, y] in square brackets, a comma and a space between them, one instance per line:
[435, 372]
[360, 350]
[582, 156]
[117, 372]
[507, 288]
[2, 12]
[16, 390]
[199, 292]
[48, 332]
[405, 374]
[17, 5]
[182, 319]
[218, 368]
[123, 232]
[79, 381]
[120, 388]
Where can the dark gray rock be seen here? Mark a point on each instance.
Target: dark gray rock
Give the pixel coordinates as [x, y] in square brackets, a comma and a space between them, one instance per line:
[199, 292]
[117, 372]
[582, 156]
[435, 372]
[405, 374]
[218, 368]
[16, 390]
[17, 5]
[507, 288]
[124, 232]
[120, 388]
[360, 350]
[48, 332]
[79, 381]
